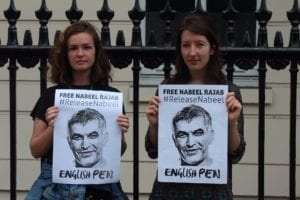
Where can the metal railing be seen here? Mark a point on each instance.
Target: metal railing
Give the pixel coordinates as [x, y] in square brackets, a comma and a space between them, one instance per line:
[152, 56]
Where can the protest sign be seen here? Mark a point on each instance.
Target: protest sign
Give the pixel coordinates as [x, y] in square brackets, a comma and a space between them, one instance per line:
[87, 137]
[193, 134]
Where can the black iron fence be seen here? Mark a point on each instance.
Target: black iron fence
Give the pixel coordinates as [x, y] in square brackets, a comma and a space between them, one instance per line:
[152, 56]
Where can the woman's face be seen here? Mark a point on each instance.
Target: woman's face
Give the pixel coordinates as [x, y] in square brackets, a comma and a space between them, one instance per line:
[195, 50]
[81, 52]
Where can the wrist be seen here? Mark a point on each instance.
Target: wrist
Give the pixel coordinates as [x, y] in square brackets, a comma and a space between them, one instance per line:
[124, 143]
[234, 123]
[153, 126]
[51, 126]
[234, 128]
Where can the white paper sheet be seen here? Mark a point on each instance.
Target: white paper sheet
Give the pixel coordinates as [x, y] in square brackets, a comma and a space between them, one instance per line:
[87, 143]
[180, 155]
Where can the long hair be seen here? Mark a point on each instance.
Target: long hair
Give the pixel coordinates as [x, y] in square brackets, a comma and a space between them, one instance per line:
[61, 71]
[202, 25]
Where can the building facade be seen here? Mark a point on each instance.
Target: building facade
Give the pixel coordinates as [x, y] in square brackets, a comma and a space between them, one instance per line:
[245, 174]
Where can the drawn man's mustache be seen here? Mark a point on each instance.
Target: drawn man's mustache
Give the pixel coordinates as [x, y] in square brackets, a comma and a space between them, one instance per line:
[80, 154]
[199, 146]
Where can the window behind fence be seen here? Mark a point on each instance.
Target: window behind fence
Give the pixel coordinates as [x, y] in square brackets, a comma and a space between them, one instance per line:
[246, 8]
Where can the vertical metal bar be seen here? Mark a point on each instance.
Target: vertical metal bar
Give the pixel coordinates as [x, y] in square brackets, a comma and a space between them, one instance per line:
[13, 121]
[105, 15]
[136, 70]
[136, 15]
[43, 14]
[293, 115]
[12, 14]
[261, 127]
[230, 15]
[230, 69]
[168, 15]
[263, 15]
[43, 74]
[74, 14]
[293, 17]
[167, 68]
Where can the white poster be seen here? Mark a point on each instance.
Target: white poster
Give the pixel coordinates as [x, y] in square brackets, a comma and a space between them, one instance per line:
[193, 134]
[87, 137]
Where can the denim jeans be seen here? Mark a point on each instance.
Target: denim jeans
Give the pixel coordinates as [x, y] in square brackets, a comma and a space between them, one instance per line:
[43, 180]
[43, 187]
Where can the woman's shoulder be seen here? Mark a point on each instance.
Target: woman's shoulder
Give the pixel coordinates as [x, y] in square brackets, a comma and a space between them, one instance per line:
[55, 87]
[51, 90]
[232, 86]
[170, 81]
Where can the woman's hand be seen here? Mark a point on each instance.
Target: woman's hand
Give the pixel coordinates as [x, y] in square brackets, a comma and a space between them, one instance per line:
[51, 115]
[42, 133]
[234, 107]
[152, 116]
[152, 111]
[123, 122]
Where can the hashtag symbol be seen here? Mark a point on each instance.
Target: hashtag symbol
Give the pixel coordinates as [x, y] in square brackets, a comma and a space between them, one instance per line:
[166, 98]
[62, 102]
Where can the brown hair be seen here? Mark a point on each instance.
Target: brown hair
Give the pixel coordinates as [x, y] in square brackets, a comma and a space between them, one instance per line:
[202, 25]
[61, 71]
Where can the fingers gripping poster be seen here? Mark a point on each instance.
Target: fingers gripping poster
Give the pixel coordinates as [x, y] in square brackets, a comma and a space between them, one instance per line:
[87, 137]
[192, 134]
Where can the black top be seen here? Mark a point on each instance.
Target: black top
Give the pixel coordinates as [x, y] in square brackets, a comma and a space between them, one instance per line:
[46, 100]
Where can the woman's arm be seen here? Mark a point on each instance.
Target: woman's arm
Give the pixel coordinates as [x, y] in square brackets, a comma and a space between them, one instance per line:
[151, 135]
[123, 122]
[234, 108]
[152, 116]
[42, 134]
[237, 142]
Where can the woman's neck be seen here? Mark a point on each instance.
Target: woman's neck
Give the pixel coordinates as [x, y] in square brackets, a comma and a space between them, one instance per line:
[197, 78]
[81, 79]
[196, 82]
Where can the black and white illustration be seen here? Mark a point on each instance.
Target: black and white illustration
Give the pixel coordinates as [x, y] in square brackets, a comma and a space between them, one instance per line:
[87, 137]
[193, 134]
[88, 151]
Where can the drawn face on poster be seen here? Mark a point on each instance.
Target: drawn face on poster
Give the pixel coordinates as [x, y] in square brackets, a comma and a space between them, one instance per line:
[192, 135]
[87, 137]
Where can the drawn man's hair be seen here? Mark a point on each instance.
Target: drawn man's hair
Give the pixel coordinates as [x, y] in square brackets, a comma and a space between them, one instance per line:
[190, 112]
[86, 115]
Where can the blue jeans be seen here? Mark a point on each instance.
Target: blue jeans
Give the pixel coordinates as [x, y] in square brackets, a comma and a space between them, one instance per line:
[43, 187]
[44, 180]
